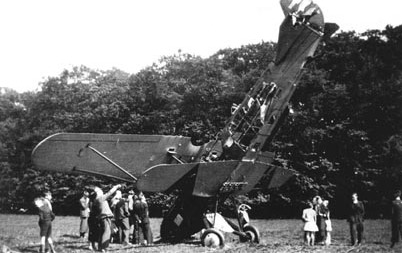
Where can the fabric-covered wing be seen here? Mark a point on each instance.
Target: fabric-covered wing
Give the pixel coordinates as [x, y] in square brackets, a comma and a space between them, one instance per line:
[212, 178]
[107, 154]
[161, 177]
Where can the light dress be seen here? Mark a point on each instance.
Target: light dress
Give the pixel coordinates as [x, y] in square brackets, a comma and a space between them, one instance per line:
[328, 225]
[309, 217]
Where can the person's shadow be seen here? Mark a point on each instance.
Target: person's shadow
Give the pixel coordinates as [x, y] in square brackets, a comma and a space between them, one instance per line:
[71, 236]
[28, 249]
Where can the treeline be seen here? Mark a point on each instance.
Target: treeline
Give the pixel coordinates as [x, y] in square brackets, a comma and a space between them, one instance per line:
[344, 135]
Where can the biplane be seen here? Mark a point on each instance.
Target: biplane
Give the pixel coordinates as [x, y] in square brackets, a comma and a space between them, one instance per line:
[225, 167]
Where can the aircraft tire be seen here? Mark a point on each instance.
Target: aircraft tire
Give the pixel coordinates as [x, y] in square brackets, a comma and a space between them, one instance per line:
[253, 233]
[212, 238]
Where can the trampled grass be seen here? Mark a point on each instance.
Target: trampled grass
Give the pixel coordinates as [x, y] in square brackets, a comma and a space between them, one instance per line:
[21, 234]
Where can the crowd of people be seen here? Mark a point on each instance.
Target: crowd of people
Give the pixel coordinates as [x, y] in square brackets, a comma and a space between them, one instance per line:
[114, 216]
[318, 225]
[104, 218]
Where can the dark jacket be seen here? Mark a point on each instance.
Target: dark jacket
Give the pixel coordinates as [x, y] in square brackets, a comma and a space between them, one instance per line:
[121, 210]
[396, 210]
[356, 213]
[46, 213]
[140, 209]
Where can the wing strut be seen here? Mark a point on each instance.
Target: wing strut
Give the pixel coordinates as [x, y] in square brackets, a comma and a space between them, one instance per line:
[111, 162]
[100, 174]
[173, 153]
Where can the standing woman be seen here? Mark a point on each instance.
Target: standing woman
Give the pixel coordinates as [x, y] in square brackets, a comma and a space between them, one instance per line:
[328, 223]
[310, 226]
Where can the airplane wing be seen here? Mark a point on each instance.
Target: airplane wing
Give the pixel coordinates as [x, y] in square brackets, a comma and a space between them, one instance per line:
[121, 156]
[150, 159]
[206, 178]
[212, 178]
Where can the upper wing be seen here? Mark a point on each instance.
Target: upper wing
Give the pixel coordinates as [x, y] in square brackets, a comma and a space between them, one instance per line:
[110, 155]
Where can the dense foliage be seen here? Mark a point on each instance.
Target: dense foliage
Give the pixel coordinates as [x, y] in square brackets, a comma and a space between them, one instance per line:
[344, 135]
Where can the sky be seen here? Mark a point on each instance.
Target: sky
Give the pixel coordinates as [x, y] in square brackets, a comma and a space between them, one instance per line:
[41, 38]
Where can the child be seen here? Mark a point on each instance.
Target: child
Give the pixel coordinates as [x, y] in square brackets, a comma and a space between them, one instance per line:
[310, 226]
[46, 216]
[328, 223]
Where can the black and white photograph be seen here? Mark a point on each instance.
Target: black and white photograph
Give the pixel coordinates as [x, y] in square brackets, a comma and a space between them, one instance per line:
[200, 126]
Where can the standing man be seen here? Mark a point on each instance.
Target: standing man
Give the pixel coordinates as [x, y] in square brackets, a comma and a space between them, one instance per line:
[122, 214]
[396, 218]
[93, 223]
[320, 210]
[130, 200]
[84, 213]
[141, 213]
[356, 219]
[105, 216]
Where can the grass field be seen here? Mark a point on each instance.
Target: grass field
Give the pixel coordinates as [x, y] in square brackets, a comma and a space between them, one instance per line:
[21, 234]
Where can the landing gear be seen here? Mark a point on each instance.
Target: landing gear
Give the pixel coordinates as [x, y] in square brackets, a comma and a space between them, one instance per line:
[212, 238]
[217, 223]
[252, 234]
[190, 214]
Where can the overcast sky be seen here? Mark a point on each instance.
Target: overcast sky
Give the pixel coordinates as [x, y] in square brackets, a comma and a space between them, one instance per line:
[41, 38]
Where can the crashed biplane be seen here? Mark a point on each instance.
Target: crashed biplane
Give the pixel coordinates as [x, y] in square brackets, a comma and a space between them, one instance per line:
[230, 165]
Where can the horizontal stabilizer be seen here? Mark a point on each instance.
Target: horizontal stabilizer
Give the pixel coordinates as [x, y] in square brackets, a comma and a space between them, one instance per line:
[304, 10]
[330, 29]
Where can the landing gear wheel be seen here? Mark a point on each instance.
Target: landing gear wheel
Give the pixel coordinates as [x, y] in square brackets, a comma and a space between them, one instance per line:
[212, 238]
[252, 233]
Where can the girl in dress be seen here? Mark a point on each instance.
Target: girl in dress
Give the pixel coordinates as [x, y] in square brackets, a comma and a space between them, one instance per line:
[328, 223]
[310, 226]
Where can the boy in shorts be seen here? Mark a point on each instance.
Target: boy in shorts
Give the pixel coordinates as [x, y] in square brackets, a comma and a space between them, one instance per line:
[46, 216]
